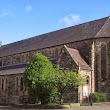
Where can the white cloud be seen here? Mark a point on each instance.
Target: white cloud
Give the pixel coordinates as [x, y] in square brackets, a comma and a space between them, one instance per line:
[28, 8]
[70, 20]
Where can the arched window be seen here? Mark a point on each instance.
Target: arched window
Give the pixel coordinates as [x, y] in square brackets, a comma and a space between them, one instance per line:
[2, 84]
[52, 53]
[13, 59]
[21, 84]
[47, 52]
[30, 55]
[6, 84]
[87, 79]
[27, 57]
[0, 62]
[17, 84]
[22, 59]
[103, 61]
[56, 52]
[17, 59]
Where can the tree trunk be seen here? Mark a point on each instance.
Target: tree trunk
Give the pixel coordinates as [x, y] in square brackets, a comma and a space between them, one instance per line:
[61, 94]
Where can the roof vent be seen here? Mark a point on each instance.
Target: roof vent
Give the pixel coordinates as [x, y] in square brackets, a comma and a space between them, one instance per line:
[0, 43]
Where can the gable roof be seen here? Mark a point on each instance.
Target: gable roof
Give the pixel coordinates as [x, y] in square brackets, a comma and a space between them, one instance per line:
[71, 34]
[78, 59]
[105, 30]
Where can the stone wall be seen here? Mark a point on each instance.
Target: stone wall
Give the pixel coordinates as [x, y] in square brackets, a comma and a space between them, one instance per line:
[102, 83]
[10, 93]
[63, 58]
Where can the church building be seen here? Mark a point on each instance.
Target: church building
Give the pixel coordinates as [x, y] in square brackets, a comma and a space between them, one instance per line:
[84, 48]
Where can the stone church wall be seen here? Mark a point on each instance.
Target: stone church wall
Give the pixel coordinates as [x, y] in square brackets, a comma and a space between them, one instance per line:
[11, 93]
[102, 74]
[10, 89]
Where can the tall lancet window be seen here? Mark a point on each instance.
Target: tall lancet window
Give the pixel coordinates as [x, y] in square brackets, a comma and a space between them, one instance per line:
[56, 52]
[2, 84]
[103, 62]
[21, 84]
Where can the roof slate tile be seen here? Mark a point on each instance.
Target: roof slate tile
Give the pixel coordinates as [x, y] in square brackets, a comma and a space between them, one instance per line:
[71, 34]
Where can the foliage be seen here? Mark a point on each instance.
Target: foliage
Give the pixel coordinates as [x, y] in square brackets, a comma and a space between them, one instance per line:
[98, 97]
[46, 84]
[54, 96]
[66, 79]
[39, 78]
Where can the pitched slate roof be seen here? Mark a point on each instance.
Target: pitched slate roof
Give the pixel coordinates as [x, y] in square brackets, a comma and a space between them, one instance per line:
[78, 59]
[75, 33]
[105, 30]
[12, 71]
[16, 66]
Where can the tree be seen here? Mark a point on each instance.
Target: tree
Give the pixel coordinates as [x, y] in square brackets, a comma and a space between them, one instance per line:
[44, 83]
[39, 78]
[66, 79]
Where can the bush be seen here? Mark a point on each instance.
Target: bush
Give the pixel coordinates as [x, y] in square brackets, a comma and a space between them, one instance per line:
[54, 96]
[98, 97]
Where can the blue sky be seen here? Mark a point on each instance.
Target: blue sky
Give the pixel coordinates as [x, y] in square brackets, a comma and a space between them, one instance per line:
[21, 19]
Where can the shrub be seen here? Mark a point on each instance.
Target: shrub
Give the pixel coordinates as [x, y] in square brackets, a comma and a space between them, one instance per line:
[98, 97]
[54, 96]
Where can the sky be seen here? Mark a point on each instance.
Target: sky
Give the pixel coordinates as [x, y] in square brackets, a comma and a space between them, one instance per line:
[22, 19]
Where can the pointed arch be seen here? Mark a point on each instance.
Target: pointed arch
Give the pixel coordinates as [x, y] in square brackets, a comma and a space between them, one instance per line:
[22, 59]
[27, 57]
[103, 61]
[56, 52]
[6, 84]
[2, 86]
[17, 84]
[21, 84]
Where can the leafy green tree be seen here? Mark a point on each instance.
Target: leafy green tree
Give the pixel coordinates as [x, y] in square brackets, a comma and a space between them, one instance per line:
[39, 78]
[66, 79]
[44, 83]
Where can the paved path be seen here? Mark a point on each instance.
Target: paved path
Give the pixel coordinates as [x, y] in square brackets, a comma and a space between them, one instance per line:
[107, 107]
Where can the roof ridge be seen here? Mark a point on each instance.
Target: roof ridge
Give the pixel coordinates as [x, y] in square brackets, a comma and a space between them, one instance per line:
[40, 35]
[63, 36]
